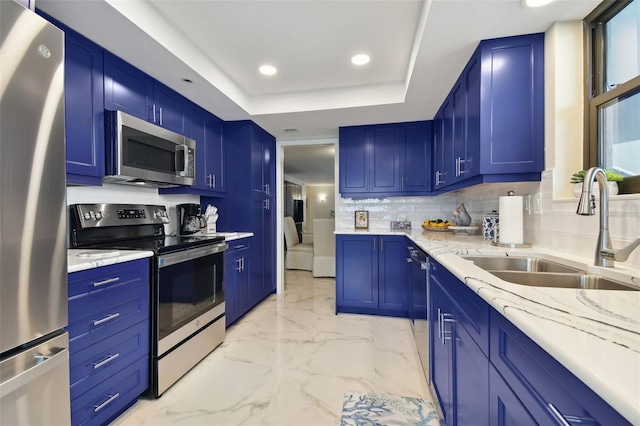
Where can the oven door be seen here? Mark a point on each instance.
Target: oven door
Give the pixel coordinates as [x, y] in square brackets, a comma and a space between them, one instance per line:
[190, 293]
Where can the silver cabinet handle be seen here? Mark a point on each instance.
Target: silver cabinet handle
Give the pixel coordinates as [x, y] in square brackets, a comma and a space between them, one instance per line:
[161, 116]
[105, 319]
[106, 360]
[402, 183]
[239, 246]
[213, 181]
[239, 269]
[374, 244]
[439, 324]
[444, 317]
[243, 264]
[438, 176]
[154, 112]
[381, 244]
[557, 415]
[112, 398]
[107, 281]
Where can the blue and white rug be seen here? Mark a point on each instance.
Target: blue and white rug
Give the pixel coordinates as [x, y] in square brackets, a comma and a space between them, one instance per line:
[369, 410]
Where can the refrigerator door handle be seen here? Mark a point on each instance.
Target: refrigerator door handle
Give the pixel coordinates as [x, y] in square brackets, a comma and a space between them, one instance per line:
[41, 365]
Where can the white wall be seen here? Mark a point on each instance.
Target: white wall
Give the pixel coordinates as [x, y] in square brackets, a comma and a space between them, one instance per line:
[320, 201]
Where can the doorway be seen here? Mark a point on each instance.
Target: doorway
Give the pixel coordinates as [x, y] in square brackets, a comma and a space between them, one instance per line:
[308, 163]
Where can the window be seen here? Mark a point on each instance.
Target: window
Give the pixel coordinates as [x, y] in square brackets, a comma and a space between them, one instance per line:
[612, 33]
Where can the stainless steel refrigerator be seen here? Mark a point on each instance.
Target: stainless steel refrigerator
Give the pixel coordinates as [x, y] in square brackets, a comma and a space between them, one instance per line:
[34, 355]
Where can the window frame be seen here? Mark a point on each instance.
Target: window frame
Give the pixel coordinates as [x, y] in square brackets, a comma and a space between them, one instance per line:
[595, 94]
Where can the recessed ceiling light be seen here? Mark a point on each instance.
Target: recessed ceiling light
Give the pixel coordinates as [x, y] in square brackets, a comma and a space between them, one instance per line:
[535, 3]
[268, 70]
[360, 59]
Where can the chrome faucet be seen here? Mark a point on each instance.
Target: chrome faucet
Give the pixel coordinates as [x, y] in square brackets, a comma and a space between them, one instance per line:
[605, 254]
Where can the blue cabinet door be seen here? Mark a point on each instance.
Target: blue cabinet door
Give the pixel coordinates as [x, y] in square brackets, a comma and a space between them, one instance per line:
[470, 165]
[214, 154]
[415, 164]
[384, 161]
[439, 177]
[354, 163]
[512, 124]
[392, 277]
[441, 354]
[84, 124]
[127, 89]
[471, 372]
[459, 135]
[505, 408]
[356, 271]
[170, 108]
[448, 168]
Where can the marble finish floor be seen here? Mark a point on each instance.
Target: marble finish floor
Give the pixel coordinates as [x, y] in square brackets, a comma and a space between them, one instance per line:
[289, 362]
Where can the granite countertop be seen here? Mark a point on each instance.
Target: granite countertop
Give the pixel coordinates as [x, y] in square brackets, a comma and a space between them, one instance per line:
[83, 259]
[595, 334]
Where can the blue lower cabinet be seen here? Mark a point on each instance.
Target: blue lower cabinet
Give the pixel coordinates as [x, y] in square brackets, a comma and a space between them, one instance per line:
[368, 277]
[505, 408]
[108, 340]
[513, 381]
[110, 398]
[550, 392]
[237, 280]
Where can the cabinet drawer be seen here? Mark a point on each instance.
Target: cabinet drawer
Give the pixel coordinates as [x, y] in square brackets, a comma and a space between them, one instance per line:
[542, 383]
[92, 284]
[92, 322]
[238, 246]
[100, 361]
[472, 311]
[112, 396]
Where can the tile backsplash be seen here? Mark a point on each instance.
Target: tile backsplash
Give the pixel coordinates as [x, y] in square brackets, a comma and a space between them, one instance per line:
[548, 223]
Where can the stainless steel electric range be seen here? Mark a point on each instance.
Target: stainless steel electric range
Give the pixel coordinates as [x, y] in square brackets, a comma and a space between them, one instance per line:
[187, 282]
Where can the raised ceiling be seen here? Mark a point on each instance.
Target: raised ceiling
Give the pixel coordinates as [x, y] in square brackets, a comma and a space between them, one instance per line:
[417, 49]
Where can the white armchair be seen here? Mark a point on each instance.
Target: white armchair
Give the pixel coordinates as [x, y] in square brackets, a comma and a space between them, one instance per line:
[324, 248]
[299, 256]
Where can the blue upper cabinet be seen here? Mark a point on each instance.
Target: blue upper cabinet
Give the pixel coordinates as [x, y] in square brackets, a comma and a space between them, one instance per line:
[84, 111]
[84, 124]
[385, 160]
[128, 89]
[492, 122]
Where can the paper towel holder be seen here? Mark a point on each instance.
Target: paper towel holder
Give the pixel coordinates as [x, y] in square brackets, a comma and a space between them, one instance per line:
[510, 245]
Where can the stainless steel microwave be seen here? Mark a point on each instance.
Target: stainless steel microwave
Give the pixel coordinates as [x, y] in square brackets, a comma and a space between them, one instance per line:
[145, 154]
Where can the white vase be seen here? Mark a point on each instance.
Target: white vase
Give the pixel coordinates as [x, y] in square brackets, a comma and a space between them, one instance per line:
[613, 189]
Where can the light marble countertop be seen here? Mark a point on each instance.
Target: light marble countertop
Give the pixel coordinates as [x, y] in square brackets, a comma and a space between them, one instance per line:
[595, 334]
[83, 259]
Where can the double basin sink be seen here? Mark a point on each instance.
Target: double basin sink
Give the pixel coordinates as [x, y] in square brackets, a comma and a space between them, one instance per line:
[538, 272]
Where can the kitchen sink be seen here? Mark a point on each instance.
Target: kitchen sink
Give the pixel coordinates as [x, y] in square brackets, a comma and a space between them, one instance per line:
[563, 280]
[513, 263]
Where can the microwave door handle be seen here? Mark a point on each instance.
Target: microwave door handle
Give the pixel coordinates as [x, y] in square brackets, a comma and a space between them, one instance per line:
[185, 159]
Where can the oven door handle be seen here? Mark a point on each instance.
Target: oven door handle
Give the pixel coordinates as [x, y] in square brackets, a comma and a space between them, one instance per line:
[189, 254]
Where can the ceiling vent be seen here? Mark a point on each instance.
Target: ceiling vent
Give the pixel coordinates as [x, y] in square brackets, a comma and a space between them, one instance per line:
[290, 130]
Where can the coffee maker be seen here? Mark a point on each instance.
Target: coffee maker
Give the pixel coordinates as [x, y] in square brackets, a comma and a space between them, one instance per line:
[190, 220]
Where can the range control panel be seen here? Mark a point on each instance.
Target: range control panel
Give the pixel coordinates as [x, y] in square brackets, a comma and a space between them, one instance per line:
[100, 215]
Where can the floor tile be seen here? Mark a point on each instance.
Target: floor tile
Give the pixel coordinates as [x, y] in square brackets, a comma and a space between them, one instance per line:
[290, 361]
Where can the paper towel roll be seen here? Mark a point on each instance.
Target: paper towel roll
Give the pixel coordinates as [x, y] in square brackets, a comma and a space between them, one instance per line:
[511, 222]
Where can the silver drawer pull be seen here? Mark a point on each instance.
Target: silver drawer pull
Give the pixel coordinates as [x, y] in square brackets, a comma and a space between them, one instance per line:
[112, 398]
[239, 246]
[556, 414]
[104, 361]
[107, 318]
[107, 281]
